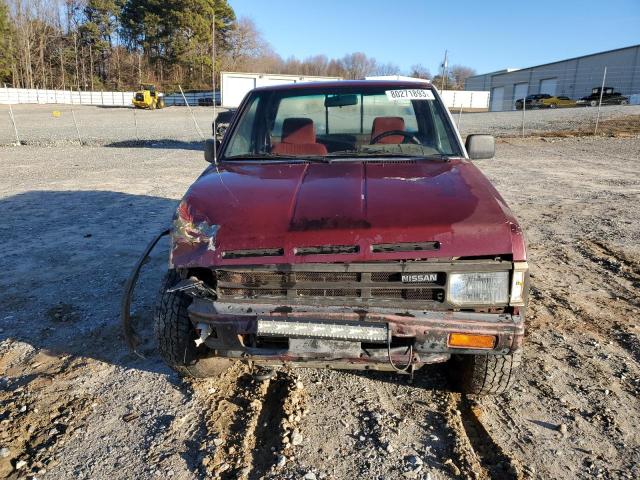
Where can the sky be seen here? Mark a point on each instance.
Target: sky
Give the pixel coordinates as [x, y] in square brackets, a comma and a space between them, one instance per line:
[487, 36]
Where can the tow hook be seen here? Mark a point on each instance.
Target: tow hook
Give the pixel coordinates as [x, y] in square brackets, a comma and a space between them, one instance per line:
[205, 331]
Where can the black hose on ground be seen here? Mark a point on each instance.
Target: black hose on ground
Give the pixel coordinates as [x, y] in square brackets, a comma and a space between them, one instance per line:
[125, 313]
[408, 368]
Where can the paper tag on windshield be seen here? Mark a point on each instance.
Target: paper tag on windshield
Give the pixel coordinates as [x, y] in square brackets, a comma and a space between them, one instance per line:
[406, 95]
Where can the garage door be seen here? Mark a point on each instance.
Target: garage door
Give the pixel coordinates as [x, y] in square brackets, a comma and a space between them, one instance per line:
[520, 91]
[497, 99]
[235, 88]
[549, 86]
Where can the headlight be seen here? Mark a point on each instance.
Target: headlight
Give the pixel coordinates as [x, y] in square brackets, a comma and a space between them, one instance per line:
[192, 229]
[485, 288]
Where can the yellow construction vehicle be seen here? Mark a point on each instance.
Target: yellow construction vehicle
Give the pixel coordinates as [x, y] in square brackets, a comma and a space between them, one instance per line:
[148, 97]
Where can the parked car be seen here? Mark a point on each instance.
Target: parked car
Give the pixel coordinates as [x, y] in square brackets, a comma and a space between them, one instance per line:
[346, 225]
[206, 101]
[532, 101]
[557, 102]
[609, 97]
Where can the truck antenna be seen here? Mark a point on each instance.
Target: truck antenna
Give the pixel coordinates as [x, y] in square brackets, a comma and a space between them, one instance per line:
[213, 82]
[213, 85]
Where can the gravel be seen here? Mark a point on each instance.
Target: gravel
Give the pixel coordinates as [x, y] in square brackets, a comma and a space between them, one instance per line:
[174, 126]
[74, 221]
[549, 120]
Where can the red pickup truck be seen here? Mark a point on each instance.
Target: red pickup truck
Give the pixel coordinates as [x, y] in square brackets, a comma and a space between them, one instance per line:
[344, 225]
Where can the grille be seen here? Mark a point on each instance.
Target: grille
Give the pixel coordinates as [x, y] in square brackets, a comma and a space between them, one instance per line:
[433, 294]
[327, 276]
[405, 247]
[252, 293]
[385, 277]
[328, 292]
[262, 252]
[327, 249]
[253, 279]
[359, 287]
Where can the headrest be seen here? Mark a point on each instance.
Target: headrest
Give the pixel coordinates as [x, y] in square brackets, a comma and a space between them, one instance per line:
[386, 124]
[298, 130]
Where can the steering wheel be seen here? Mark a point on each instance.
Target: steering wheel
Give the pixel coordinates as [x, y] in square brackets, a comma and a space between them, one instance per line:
[406, 135]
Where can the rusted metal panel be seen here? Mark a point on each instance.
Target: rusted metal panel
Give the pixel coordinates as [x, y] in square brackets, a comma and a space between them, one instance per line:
[347, 364]
[434, 265]
[428, 331]
[289, 207]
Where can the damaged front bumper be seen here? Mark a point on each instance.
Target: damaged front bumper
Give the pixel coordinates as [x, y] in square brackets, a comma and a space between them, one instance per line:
[344, 337]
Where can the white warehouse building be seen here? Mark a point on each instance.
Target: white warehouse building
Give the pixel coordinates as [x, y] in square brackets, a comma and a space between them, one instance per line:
[574, 78]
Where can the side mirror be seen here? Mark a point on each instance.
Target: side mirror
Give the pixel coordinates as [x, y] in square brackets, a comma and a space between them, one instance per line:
[211, 146]
[480, 146]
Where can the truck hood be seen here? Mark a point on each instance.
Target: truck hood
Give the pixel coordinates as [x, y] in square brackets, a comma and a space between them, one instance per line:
[282, 207]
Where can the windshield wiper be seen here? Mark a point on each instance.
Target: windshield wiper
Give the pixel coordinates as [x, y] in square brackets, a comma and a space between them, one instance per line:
[359, 155]
[279, 157]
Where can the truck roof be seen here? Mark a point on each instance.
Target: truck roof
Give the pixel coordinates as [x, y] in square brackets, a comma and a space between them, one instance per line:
[348, 84]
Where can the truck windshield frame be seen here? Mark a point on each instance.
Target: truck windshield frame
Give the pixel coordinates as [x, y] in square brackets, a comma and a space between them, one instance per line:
[365, 121]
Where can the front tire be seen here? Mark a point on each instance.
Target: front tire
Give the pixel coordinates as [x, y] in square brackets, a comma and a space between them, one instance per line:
[484, 374]
[176, 335]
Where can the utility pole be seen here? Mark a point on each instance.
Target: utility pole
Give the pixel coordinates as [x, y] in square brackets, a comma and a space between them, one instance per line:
[604, 77]
[445, 65]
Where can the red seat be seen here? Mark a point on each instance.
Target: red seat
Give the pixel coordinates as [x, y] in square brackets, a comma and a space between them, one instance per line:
[387, 124]
[298, 138]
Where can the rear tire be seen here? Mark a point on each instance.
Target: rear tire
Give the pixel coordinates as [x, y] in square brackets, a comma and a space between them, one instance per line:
[484, 374]
[176, 335]
[624, 102]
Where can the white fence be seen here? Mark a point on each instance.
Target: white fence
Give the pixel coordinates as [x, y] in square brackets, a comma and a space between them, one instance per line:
[467, 100]
[453, 99]
[15, 96]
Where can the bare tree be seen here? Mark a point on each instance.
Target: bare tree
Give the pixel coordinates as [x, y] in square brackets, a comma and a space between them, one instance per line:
[245, 46]
[92, 43]
[357, 65]
[420, 71]
[459, 75]
[387, 69]
[315, 65]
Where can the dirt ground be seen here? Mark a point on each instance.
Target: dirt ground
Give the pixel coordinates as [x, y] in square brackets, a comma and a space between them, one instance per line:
[74, 403]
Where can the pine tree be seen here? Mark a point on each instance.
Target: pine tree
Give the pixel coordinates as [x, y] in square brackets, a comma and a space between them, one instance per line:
[6, 45]
[99, 23]
[176, 35]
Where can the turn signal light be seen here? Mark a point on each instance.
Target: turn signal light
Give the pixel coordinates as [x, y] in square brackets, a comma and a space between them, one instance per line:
[470, 340]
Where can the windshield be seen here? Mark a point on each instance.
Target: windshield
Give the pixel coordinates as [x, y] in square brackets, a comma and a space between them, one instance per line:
[342, 122]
